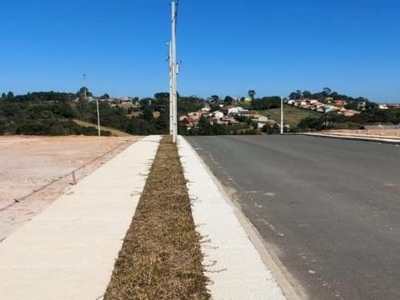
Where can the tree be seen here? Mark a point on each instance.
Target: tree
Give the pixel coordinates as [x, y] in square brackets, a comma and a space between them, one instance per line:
[293, 96]
[296, 95]
[214, 99]
[251, 94]
[3, 96]
[10, 96]
[204, 127]
[326, 91]
[147, 113]
[81, 92]
[228, 100]
[307, 94]
[161, 95]
[105, 96]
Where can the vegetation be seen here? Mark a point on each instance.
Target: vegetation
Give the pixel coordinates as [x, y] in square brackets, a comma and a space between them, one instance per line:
[160, 257]
[336, 121]
[323, 95]
[112, 131]
[292, 115]
[50, 113]
[54, 113]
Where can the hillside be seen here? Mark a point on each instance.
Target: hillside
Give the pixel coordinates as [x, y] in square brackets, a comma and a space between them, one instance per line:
[292, 115]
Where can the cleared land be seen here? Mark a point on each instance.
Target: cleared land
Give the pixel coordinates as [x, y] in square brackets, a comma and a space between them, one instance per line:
[34, 171]
[114, 132]
[292, 115]
[160, 257]
[382, 133]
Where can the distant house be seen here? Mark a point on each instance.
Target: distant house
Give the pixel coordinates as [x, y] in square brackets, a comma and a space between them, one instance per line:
[230, 120]
[182, 118]
[234, 110]
[260, 120]
[350, 113]
[340, 103]
[189, 122]
[361, 105]
[218, 114]
[125, 103]
[393, 105]
[196, 115]
[208, 115]
[247, 113]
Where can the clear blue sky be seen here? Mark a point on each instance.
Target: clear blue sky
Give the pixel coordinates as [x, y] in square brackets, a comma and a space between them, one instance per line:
[226, 47]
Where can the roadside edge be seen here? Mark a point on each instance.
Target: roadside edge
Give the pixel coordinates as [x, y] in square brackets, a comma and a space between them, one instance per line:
[287, 290]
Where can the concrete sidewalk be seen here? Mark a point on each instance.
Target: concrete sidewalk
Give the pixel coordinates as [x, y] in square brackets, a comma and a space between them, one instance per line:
[69, 250]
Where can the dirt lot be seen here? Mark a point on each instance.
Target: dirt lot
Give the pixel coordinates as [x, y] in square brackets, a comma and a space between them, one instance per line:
[389, 133]
[34, 171]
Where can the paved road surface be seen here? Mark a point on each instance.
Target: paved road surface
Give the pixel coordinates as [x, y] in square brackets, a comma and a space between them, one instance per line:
[328, 209]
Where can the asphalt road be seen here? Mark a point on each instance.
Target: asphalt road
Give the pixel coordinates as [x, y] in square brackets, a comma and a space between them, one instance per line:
[328, 209]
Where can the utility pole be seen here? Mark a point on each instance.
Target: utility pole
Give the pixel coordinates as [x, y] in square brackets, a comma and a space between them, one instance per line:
[171, 97]
[281, 115]
[174, 73]
[98, 117]
[97, 104]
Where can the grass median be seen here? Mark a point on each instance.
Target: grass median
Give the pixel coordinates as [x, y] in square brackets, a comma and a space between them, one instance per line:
[160, 257]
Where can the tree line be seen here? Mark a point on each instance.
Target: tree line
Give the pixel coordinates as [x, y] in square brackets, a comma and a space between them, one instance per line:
[52, 113]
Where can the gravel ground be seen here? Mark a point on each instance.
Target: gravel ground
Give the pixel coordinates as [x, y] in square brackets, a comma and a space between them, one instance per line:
[34, 171]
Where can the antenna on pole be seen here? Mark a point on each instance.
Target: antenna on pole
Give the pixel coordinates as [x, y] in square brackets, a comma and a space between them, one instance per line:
[84, 86]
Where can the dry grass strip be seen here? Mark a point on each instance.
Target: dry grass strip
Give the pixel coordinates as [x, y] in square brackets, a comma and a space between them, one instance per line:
[160, 257]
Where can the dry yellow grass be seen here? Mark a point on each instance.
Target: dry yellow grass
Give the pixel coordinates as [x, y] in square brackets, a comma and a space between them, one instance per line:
[160, 257]
[114, 132]
[388, 133]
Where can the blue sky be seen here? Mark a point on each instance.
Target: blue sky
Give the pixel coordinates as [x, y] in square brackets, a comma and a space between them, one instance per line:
[226, 47]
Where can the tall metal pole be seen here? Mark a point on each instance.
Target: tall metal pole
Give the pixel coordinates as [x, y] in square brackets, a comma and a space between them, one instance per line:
[171, 97]
[84, 86]
[281, 115]
[98, 117]
[174, 71]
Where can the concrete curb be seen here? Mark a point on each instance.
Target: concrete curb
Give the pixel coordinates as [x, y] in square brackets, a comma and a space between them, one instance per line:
[68, 251]
[232, 262]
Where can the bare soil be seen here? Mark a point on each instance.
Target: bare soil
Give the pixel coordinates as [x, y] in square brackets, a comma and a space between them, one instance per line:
[34, 171]
[389, 133]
